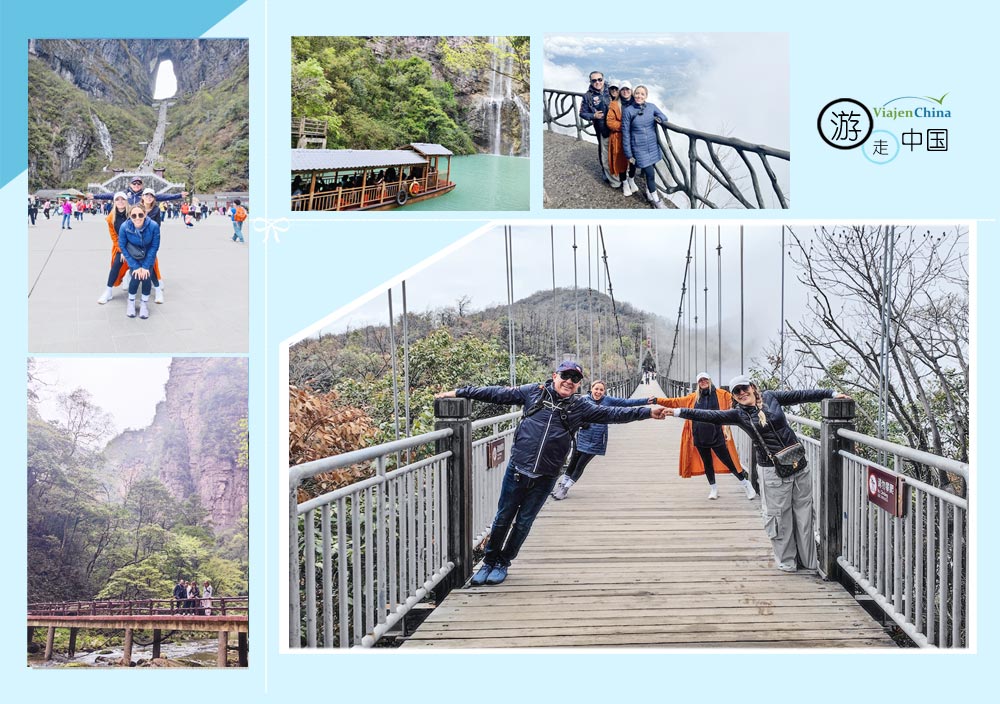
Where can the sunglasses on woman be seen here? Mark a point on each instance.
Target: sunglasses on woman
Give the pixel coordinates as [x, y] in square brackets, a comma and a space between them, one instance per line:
[137, 216]
[575, 377]
[740, 390]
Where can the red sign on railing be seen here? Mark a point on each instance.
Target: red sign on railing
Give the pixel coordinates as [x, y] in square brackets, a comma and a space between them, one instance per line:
[495, 453]
[885, 490]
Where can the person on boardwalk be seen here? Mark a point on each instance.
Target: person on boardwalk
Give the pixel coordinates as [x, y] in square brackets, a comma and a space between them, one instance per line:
[180, 594]
[639, 140]
[238, 214]
[787, 487]
[139, 241]
[616, 154]
[594, 107]
[592, 439]
[32, 208]
[553, 411]
[708, 439]
[206, 598]
[154, 214]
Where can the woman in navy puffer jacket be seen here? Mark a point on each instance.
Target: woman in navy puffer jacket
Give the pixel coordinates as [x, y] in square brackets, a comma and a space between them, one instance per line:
[592, 439]
[639, 139]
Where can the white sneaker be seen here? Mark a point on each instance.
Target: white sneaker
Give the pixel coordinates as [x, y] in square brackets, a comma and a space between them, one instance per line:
[159, 294]
[626, 189]
[713, 492]
[657, 203]
[126, 280]
[631, 183]
[559, 493]
[787, 566]
[106, 296]
[748, 488]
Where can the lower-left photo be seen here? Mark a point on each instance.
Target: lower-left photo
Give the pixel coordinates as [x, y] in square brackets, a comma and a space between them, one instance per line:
[137, 516]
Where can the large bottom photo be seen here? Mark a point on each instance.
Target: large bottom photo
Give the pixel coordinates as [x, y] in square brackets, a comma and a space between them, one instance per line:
[639, 435]
[138, 487]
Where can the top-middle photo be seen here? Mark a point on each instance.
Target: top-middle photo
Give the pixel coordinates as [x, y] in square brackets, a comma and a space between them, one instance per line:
[421, 123]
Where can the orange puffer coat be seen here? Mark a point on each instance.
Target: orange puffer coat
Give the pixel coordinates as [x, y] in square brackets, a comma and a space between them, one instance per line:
[690, 462]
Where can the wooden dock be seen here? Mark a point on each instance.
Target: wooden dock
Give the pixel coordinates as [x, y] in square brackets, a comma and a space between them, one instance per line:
[638, 557]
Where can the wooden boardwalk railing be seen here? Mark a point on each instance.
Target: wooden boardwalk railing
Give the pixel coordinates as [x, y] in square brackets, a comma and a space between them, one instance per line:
[638, 557]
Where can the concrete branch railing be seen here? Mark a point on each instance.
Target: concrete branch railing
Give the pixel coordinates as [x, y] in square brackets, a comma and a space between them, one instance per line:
[727, 163]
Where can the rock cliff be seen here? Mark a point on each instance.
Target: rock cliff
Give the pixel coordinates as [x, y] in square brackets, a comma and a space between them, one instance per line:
[192, 445]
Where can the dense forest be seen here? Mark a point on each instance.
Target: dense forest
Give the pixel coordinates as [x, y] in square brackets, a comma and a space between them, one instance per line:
[342, 385]
[99, 528]
[385, 92]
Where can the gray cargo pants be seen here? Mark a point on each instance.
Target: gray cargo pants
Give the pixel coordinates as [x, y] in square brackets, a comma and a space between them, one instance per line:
[788, 518]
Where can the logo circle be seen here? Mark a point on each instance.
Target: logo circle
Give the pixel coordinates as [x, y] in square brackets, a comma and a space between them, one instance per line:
[872, 484]
[828, 112]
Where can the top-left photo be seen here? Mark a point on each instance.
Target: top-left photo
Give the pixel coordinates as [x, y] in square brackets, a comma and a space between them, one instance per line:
[138, 195]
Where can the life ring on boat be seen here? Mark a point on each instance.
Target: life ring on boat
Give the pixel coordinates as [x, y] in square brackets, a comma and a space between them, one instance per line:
[402, 196]
[414, 188]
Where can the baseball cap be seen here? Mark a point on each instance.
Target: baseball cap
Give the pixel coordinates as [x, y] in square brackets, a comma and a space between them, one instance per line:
[570, 365]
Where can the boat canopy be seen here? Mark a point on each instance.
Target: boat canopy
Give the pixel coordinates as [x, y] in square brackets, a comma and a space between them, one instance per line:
[307, 160]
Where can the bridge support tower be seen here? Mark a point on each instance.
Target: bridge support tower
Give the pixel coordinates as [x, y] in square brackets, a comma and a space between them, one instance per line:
[838, 414]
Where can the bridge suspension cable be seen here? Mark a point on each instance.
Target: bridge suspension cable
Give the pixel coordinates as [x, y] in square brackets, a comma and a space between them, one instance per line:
[611, 294]
[680, 306]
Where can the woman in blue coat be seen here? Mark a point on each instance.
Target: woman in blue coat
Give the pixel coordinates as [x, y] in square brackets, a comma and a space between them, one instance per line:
[639, 139]
[139, 241]
[592, 439]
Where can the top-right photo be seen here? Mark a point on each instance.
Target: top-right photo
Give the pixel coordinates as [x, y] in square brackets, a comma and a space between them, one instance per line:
[666, 121]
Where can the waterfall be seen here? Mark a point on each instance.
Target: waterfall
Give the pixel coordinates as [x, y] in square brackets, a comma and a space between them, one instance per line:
[104, 135]
[501, 97]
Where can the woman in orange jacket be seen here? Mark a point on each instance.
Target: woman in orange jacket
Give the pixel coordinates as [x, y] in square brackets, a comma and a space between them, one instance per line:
[617, 161]
[706, 439]
[117, 216]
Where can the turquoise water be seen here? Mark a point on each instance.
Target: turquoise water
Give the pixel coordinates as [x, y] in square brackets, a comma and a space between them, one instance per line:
[484, 182]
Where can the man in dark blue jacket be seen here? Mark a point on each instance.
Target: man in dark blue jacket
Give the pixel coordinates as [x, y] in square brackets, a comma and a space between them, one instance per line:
[594, 107]
[553, 412]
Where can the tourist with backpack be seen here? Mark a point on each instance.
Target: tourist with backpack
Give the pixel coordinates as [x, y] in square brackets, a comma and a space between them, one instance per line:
[237, 214]
[554, 411]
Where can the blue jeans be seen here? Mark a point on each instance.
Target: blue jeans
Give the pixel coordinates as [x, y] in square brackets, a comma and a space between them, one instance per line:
[521, 499]
[65, 221]
[237, 231]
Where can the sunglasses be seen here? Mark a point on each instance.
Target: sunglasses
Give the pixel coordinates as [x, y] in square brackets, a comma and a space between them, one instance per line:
[740, 390]
[575, 377]
[596, 80]
[137, 216]
[137, 182]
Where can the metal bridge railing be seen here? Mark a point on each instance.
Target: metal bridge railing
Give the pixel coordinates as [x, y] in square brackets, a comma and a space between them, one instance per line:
[913, 565]
[362, 556]
[487, 475]
[728, 163]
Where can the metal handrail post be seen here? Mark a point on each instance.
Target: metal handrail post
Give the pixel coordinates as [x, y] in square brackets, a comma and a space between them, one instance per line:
[837, 414]
[455, 413]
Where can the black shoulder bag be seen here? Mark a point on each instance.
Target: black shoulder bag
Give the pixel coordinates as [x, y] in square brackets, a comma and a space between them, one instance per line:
[788, 460]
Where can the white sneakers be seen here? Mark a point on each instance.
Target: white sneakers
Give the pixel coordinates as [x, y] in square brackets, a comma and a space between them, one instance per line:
[105, 297]
[626, 188]
[562, 488]
[631, 184]
[713, 492]
[158, 290]
[748, 488]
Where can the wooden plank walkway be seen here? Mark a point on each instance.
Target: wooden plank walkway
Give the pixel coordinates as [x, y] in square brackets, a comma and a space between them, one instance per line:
[638, 557]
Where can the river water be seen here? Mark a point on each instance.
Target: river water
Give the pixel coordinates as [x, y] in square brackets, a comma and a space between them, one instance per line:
[191, 653]
[484, 182]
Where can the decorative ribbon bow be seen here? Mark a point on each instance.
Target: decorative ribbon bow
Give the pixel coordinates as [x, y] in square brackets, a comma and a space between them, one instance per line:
[268, 226]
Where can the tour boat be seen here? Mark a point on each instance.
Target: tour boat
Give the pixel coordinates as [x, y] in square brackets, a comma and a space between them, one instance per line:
[369, 179]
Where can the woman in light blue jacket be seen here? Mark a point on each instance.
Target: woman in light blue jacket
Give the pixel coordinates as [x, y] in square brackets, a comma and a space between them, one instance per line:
[639, 139]
[592, 439]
